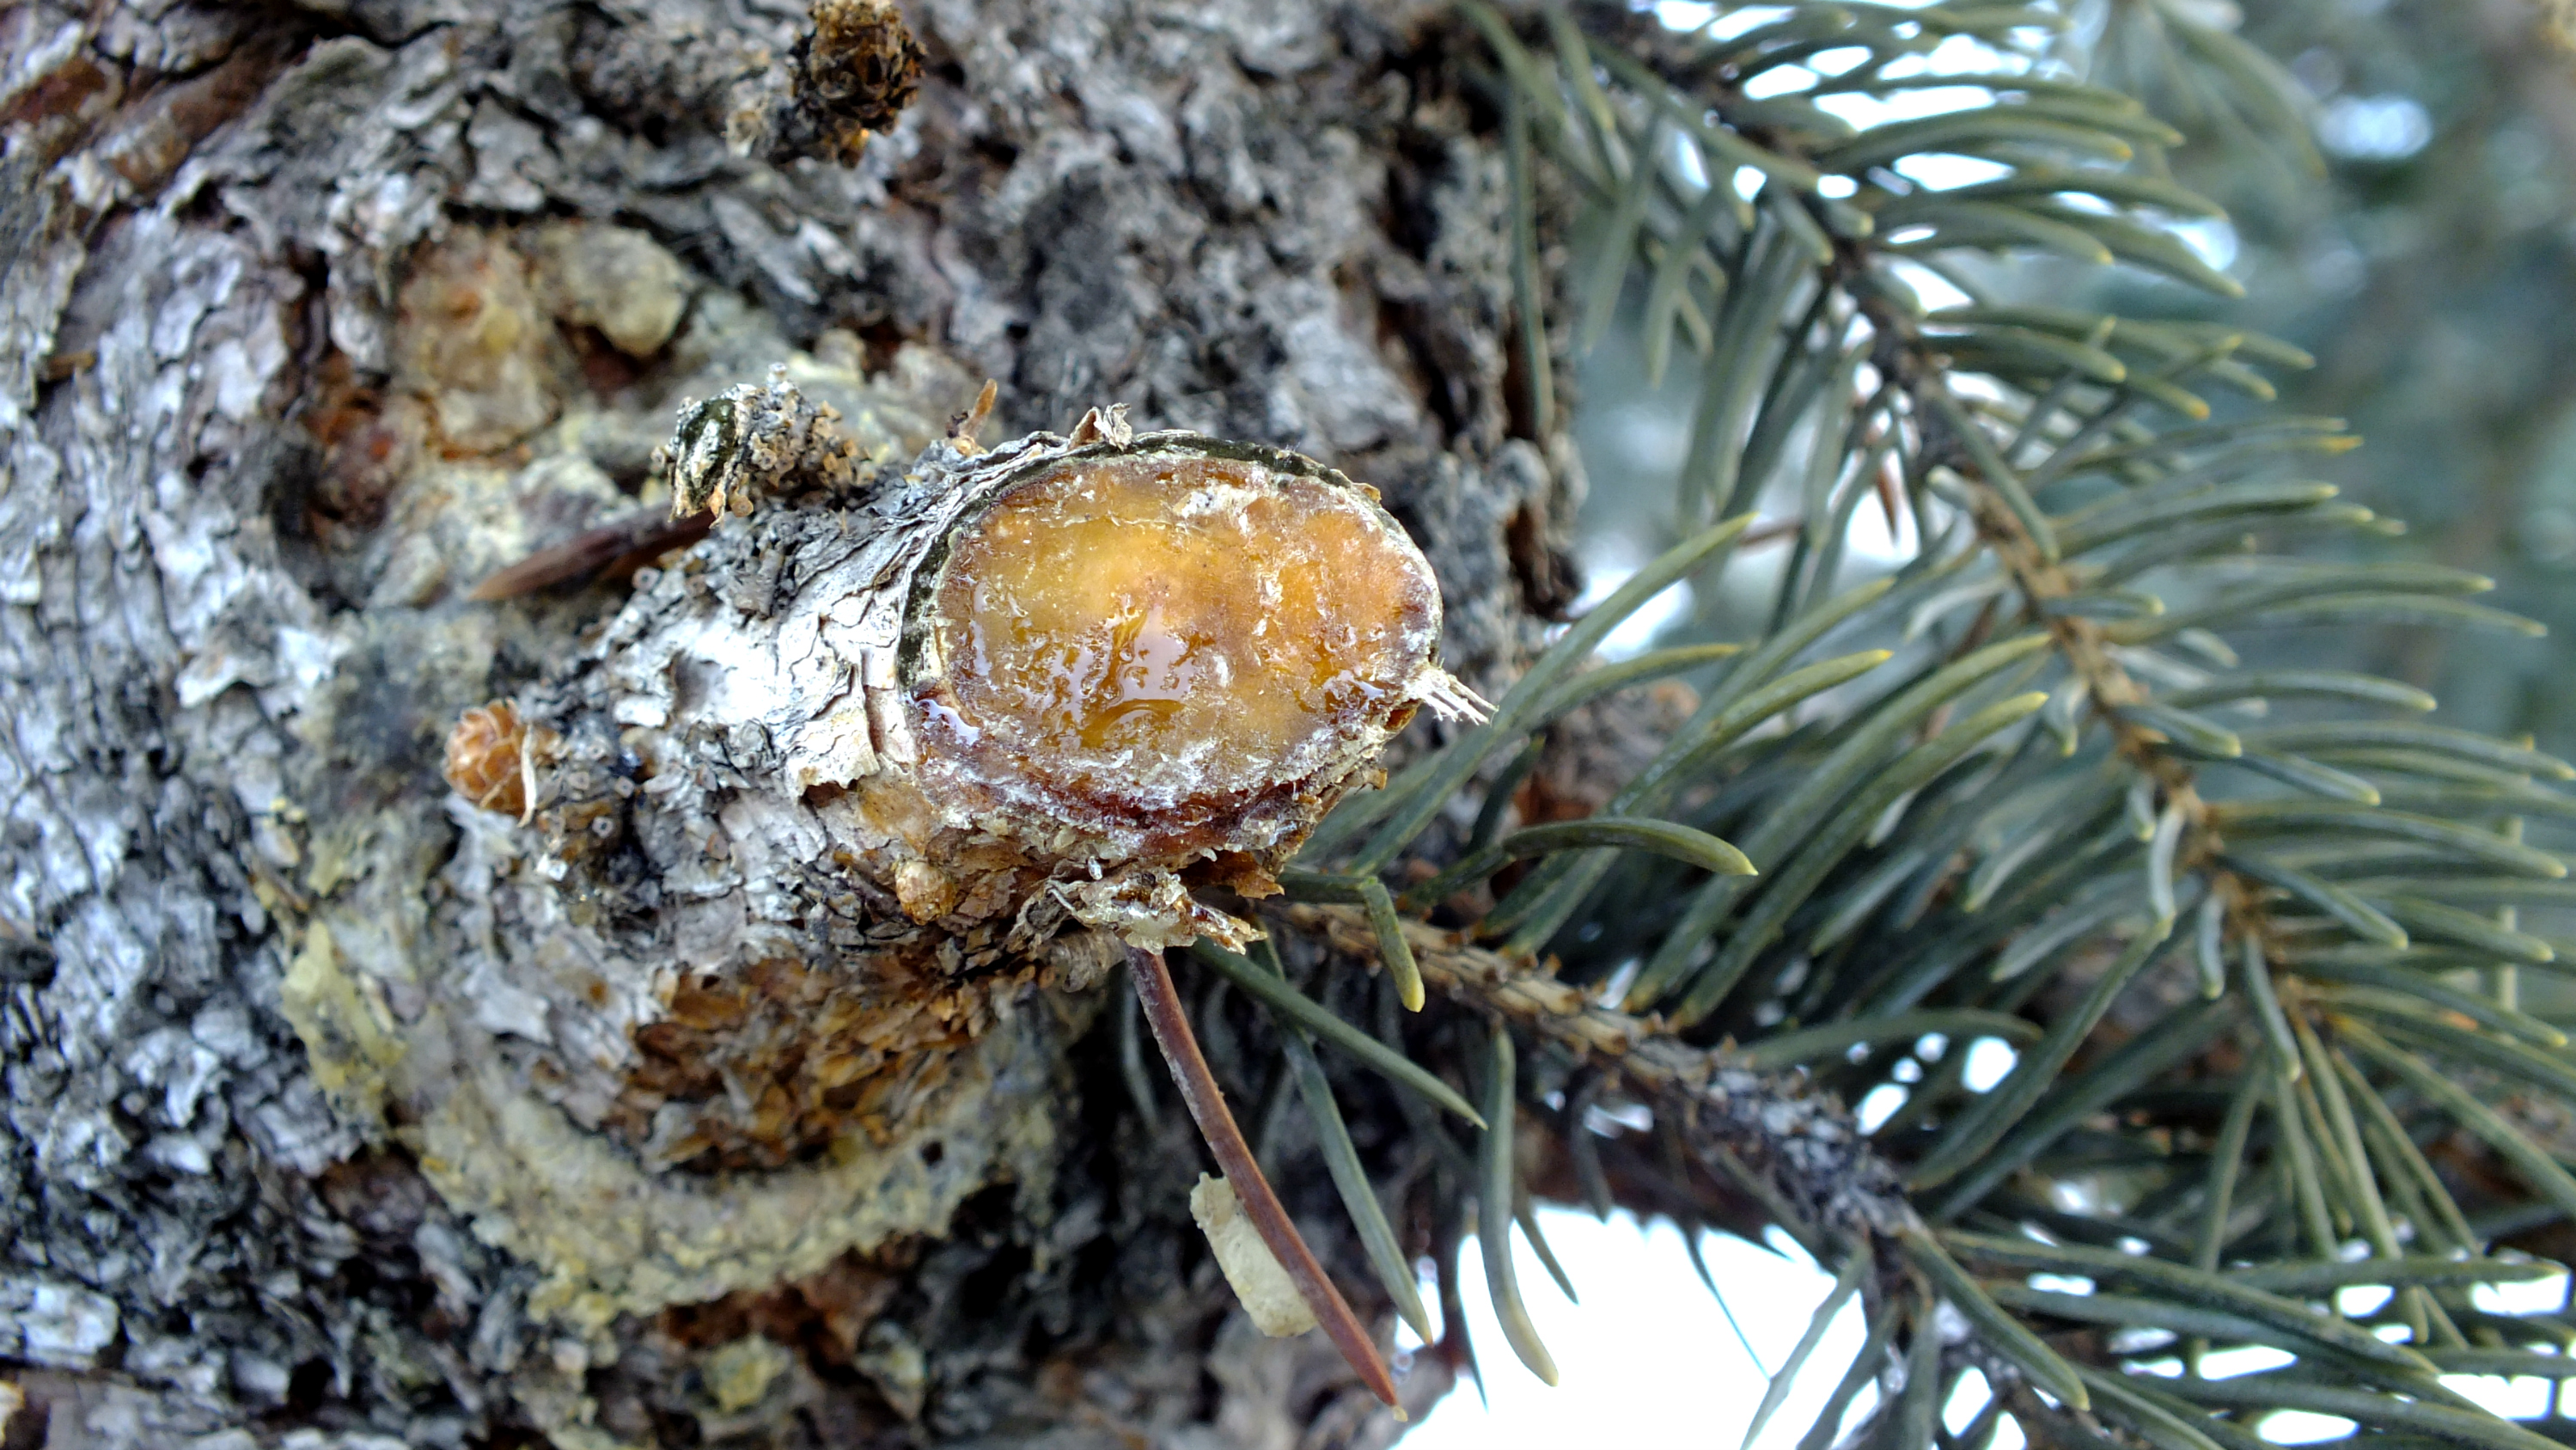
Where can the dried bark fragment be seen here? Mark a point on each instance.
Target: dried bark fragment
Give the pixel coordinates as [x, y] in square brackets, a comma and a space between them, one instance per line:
[850, 76]
[1263, 1287]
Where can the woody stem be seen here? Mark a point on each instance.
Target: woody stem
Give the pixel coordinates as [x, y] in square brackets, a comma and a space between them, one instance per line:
[1171, 1028]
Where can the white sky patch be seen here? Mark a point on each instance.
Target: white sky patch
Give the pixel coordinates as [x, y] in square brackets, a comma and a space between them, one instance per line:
[1878, 1106]
[1866, 111]
[1684, 15]
[2281, 1427]
[1646, 1359]
[1958, 55]
[1609, 563]
[2210, 238]
[2539, 1296]
[1938, 171]
[1688, 163]
[1935, 170]
[1779, 80]
[1961, 55]
[2221, 1363]
[2301, 1427]
[1870, 542]
[2523, 1397]
[1989, 1058]
[2529, 1395]
[2374, 128]
[1930, 288]
[1839, 60]
[1734, 22]
[1965, 1401]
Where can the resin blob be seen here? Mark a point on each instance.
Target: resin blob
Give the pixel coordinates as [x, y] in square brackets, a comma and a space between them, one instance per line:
[1168, 631]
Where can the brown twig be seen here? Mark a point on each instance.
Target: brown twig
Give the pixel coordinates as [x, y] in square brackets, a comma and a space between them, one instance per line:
[605, 552]
[1171, 1028]
[1771, 533]
[1795, 1151]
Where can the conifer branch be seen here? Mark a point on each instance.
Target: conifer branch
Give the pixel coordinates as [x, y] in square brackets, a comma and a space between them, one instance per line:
[1887, 900]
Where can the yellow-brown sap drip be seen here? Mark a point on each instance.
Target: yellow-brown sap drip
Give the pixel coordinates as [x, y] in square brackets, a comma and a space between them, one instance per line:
[1156, 632]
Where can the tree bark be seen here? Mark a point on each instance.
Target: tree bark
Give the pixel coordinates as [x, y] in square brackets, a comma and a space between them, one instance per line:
[313, 318]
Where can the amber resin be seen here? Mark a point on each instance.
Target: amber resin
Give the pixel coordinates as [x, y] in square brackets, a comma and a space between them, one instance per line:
[1162, 633]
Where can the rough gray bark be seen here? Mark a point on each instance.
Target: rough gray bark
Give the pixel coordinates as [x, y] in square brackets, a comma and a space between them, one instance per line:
[310, 318]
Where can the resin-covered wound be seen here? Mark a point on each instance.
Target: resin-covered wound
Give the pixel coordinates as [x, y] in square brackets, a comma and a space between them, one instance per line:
[1152, 633]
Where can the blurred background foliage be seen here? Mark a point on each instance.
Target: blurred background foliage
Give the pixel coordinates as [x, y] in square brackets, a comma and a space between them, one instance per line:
[2429, 263]
[2400, 189]
[2408, 217]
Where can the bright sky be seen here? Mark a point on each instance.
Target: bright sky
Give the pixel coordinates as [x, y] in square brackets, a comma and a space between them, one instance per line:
[1647, 1362]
